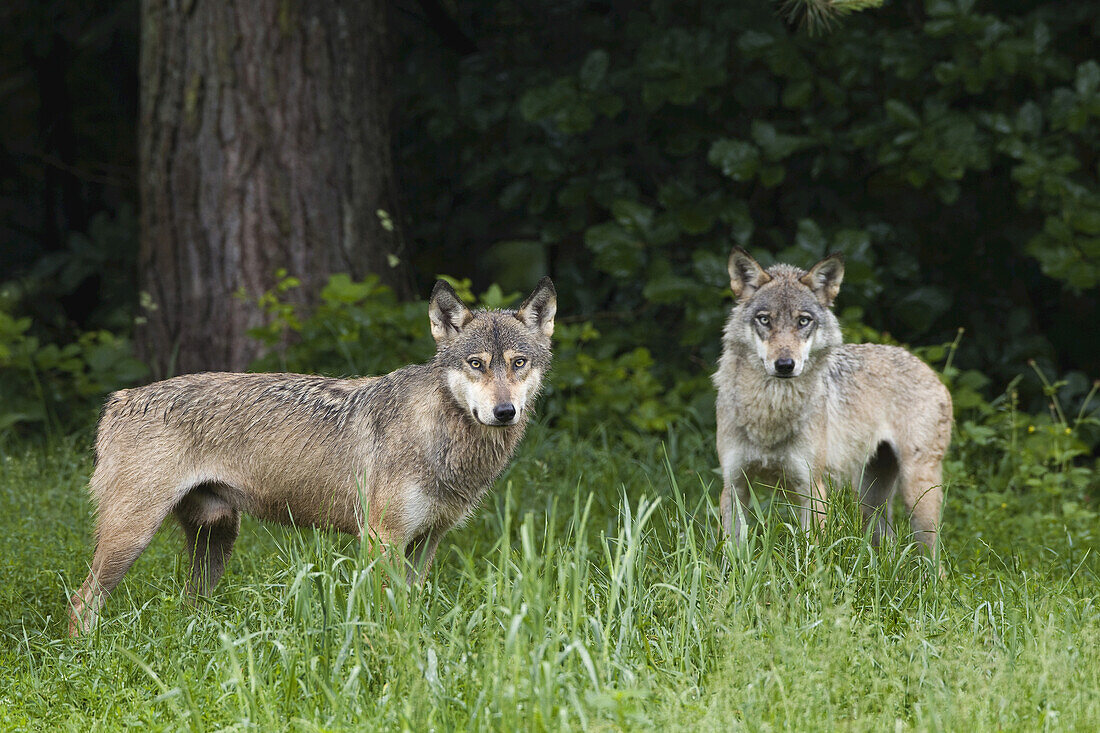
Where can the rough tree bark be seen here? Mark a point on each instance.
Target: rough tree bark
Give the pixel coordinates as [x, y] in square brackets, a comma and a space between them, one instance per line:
[264, 144]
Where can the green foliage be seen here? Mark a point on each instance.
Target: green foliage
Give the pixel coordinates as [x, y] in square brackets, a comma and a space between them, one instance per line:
[591, 386]
[945, 147]
[95, 271]
[1031, 460]
[58, 386]
[356, 328]
[54, 373]
[494, 298]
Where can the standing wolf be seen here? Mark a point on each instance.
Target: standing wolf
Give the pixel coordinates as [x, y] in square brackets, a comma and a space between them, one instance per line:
[409, 454]
[797, 406]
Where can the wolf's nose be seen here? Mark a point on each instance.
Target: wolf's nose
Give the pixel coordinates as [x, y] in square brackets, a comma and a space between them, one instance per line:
[504, 412]
[784, 366]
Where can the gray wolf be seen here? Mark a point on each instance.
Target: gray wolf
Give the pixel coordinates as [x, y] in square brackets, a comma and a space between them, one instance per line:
[404, 457]
[797, 407]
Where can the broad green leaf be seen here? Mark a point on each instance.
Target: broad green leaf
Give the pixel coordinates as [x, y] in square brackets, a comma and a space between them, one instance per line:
[594, 69]
[737, 159]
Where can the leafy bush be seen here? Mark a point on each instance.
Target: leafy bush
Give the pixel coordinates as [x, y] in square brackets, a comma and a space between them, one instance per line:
[58, 386]
[1039, 464]
[947, 148]
[594, 386]
[90, 281]
[54, 373]
[356, 328]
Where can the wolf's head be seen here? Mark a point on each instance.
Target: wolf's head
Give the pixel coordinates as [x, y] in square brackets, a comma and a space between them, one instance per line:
[784, 313]
[493, 360]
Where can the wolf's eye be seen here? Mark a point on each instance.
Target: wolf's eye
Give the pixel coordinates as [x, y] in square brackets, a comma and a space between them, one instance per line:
[804, 321]
[763, 319]
[474, 363]
[519, 363]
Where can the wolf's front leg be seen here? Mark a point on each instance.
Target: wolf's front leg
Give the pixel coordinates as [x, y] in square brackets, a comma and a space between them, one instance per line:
[380, 544]
[812, 512]
[419, 554]
[734, 512]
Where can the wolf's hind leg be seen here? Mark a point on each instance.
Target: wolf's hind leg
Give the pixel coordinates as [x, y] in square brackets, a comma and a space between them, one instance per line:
[922, 492]
[210, 526]
[876, 492]
[123, 533]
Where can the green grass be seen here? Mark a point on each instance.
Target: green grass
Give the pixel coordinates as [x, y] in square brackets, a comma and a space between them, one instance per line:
[590, 591]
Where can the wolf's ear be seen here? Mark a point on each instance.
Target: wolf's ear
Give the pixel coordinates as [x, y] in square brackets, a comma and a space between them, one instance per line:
[448, 314]
[537, 312]
[824, 278]
[746, 274]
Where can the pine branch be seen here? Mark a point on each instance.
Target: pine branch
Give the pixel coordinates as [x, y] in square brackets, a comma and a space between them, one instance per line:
[820, 15]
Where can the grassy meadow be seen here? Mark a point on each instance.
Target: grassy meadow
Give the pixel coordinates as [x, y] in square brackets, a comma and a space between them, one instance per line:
[591, 591]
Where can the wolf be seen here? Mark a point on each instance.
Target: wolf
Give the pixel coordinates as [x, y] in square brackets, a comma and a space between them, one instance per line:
[403, 457]
[797, 407]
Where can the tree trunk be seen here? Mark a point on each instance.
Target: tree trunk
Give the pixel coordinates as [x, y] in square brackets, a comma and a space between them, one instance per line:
[264, 144]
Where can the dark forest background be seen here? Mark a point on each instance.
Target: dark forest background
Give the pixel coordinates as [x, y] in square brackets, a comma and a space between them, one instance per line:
[948, 149]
